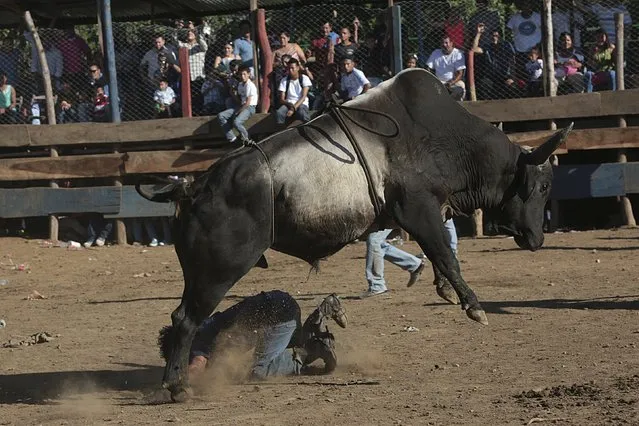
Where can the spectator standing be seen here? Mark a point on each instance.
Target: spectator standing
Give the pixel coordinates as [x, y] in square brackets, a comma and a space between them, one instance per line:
[158, 60]
[197, 48]
[484, 15]
[601, 61]
[323, 52]
[164, 98]
[243, 45]
[54, 61]
[346, 48]
[526, 31]
[288, 48]
[534, 68]
[223, 63]
[454, 27]
[567, 19]
[8, 112]
[448, 64]
[606, 17]
[353, 82]
[75, 54]
[569, 66]
[9, 60]
[495, 66]
[236, 117]
[293, 91]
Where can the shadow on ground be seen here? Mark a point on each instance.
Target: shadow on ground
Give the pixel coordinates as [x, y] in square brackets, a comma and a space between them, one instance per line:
[630, 302]
[45, 388]
[496, 250]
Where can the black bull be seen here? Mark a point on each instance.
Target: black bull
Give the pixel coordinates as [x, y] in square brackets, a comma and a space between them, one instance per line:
[306, 194]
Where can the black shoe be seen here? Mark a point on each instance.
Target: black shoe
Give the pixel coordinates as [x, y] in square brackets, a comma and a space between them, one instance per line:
[331, 307]
[321, 348]
[414, 276]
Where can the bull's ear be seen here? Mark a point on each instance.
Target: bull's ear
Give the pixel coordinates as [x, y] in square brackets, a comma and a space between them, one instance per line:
[543, 152]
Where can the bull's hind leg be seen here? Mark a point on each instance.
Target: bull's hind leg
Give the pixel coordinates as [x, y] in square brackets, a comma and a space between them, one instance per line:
[420, 216]
[443, 287]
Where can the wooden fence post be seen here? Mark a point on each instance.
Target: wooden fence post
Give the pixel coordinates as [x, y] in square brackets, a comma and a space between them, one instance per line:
[253, 20]
[267, 56]
[185, 80]
[51, 118]
[626, 205]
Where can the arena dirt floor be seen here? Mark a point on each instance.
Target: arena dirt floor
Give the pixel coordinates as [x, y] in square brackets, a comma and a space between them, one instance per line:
[562, 346]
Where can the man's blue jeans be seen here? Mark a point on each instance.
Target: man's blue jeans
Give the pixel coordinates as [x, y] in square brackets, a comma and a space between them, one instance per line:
[302, 113]
[230, 118]
[377, 249]
[271, 357]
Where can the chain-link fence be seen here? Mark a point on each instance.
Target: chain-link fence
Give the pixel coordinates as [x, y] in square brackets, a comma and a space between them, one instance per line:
[502, 43]
[495, 55]
[321, 37]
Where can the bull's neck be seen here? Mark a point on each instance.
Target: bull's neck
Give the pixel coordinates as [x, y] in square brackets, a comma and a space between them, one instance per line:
[486, 175]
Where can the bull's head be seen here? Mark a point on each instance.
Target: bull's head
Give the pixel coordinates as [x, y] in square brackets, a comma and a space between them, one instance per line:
[524, 201]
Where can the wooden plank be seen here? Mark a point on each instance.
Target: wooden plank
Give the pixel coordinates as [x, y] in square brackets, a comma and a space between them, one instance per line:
[134, 205]
[32, 202]
[631, 178]
[109, 165]
[588, 181]
[75, 166]
[584, 139]
[23, 135]
[566, 106]
[173, 161]
[505, 110]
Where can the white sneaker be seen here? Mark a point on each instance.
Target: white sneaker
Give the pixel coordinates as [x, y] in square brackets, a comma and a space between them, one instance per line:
[153, 243]
[88, 244]
[99, 242]
[161, 243]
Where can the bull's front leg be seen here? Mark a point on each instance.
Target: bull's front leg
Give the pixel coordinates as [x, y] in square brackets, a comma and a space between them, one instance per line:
[176, 378]
[443, 287]
[420, 216]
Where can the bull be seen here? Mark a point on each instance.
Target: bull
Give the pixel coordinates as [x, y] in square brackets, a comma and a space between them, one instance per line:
[405, 153]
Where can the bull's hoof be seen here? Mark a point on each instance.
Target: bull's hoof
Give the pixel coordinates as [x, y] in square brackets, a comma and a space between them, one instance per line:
[477, 315]
[447, 293]
[181, 395]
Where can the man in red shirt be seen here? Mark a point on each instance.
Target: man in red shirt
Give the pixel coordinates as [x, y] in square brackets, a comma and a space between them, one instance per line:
[75, 53]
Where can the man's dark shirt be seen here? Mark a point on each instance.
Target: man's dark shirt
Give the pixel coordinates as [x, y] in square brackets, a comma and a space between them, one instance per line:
[342, 51]
[498, 60]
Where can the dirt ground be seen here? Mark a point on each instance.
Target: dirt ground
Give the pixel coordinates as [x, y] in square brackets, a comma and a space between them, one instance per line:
[562, 346]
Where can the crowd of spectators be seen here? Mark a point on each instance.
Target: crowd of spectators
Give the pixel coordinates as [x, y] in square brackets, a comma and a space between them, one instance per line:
[508, 63]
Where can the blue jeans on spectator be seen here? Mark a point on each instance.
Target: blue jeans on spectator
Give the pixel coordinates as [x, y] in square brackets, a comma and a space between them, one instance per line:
[271, 356]
[302, 113]
[452, 234]
[136, 228]
[230, 118]
[612, 80]
[377, 249]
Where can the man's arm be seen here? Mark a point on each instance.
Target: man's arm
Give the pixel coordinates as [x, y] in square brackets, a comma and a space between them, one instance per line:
[282, 97]
[480, 30]
[456, 77]
[13, 98]
[302, 98]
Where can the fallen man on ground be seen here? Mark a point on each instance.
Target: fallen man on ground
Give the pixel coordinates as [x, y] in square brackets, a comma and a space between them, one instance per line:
[269, 322]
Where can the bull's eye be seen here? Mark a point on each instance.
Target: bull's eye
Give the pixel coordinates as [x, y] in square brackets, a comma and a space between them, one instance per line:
[544, 187]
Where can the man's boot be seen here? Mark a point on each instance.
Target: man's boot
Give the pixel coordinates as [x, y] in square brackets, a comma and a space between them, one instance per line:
[320, 347]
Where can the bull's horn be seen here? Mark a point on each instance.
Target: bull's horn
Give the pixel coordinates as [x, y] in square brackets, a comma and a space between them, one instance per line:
[541, 154]
[164, 195]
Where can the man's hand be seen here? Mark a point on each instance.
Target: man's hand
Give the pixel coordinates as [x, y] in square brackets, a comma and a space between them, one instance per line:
[2, 110]
[356, 22]
[290, 112]
[481, 27]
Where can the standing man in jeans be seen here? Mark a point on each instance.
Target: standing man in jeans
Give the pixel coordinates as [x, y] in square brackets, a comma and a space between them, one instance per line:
[293, 92]
[246, 97]
[378, 250]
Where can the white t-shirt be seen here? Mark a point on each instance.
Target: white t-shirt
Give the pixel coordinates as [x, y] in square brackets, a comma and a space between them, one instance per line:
[295, 88]
[353, 83]
[526, 31]
[446, 65]
[164, 97]
[244, 90]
